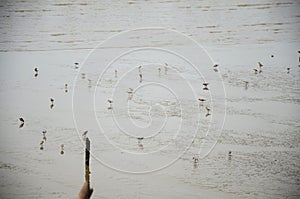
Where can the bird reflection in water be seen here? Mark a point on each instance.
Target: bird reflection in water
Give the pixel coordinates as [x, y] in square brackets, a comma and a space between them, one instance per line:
[66, 88]
[22, 122]
[140, 145]
[62, 149]
[44, 135]
[85, 191]
[42, 145]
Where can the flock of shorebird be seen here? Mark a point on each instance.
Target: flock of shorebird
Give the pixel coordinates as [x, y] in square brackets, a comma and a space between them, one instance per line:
[130, 92]
[44, 132]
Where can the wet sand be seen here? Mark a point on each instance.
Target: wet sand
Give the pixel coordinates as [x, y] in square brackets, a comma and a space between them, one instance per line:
[261, 125]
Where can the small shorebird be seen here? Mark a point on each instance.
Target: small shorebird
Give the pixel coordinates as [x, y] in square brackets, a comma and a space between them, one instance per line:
[272, 56]
[82, 75]
[62, 149]
[90, 83]
[140, 69]
[166, 68]
[36, 70]
[141, 77]
[110, 101]
[140, 138]
[159, 69]
[116, 73]
[44, 132]
[201, 100]
[195, 159]
[260, 64]
[255, 71]
[246, 84]
[52, 100]
[208, 110]
[288, 70]
[42, 145]
[130, 91]
[76, 65]
[84, 134]
[205, 86]
[66, 88]
[229, 155]
[21, 119]
[216, 65]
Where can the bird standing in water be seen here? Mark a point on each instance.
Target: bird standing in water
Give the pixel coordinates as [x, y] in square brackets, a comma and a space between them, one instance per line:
[110, 103]
[208, 111]
[205, 86]
[246, 84]
[84, 134]
[195, 159]
[62, 149]
[166, 68]
[42, 145]
[201, 100]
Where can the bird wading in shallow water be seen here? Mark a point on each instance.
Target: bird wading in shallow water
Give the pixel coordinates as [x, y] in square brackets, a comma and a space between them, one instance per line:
[246, 84]
[84, 135]
[201, 100]
[42, 145]
[110, 103]
[62, 149]
[195, 159]
[166, 68]
[208, 111]
[229, 155]
[205, 86]
[21, 119]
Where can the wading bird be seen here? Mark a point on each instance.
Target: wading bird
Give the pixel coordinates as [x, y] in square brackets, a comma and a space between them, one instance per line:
[195, 159]
[62, 149]
[205, 86]
[166, 68]
[21, 119]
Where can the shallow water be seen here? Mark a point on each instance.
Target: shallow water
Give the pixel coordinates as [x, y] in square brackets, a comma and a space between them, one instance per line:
[262, 120]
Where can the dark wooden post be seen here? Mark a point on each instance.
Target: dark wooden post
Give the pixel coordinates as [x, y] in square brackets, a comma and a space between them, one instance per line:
[87, 160]
[86, 191]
